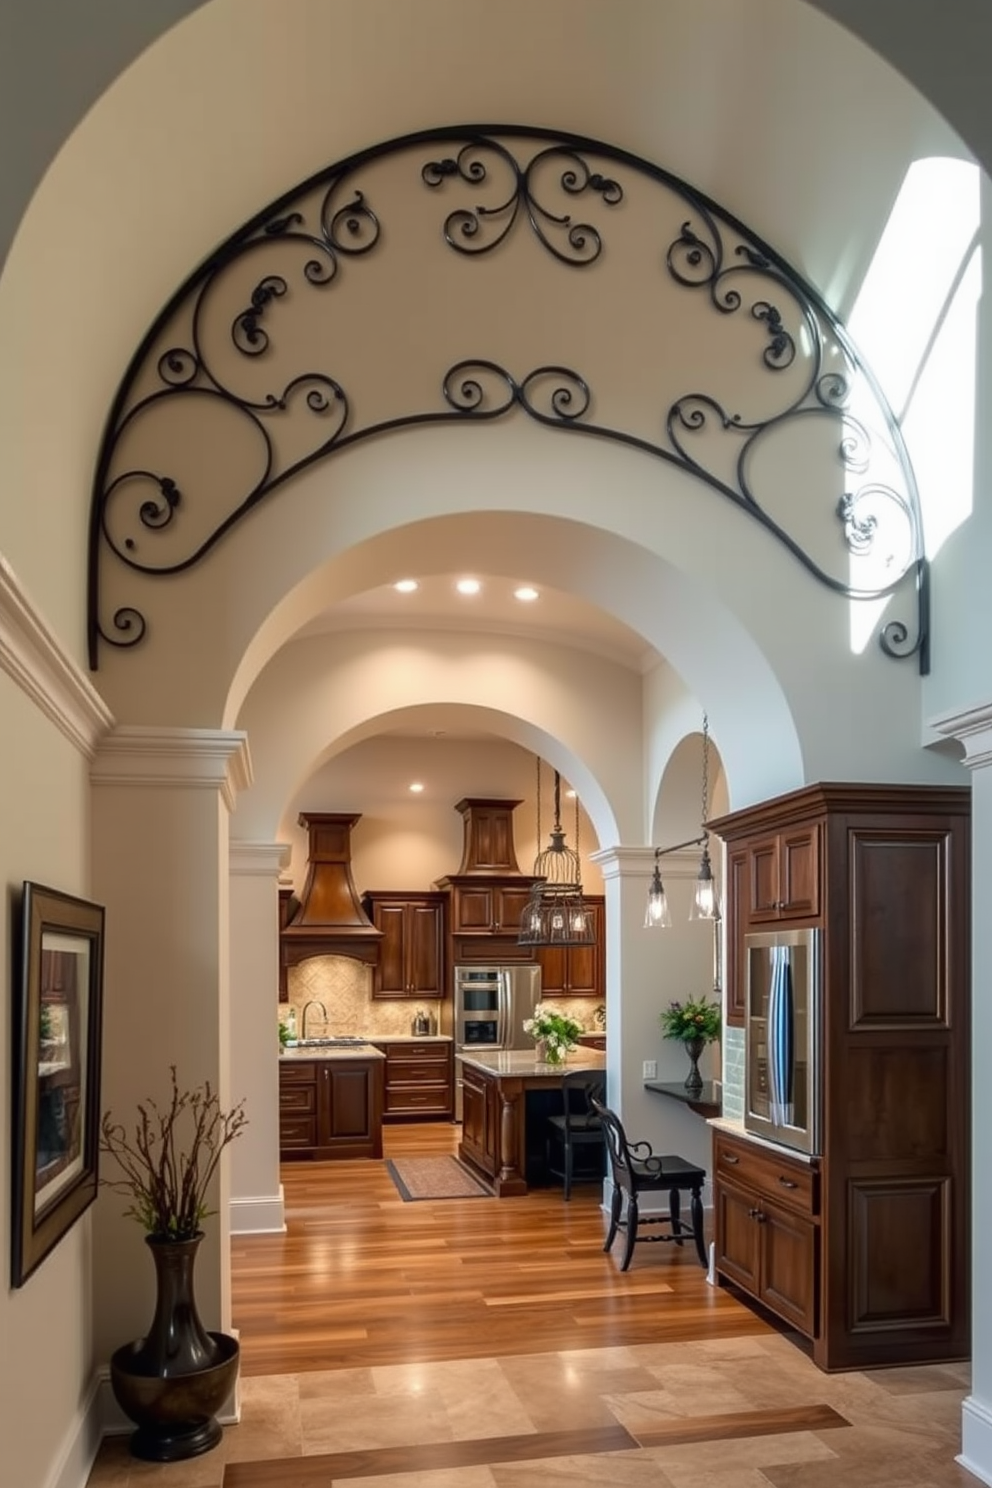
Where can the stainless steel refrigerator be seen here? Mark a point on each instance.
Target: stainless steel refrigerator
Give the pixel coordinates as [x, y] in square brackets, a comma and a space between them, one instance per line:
[490, 1006]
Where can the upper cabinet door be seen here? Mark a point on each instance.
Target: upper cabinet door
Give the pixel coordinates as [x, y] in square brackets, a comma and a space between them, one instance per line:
[390, 977]
[784, 875]
[425, 943]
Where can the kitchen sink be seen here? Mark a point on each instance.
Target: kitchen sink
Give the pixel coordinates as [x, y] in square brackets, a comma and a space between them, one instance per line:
[328, 1043]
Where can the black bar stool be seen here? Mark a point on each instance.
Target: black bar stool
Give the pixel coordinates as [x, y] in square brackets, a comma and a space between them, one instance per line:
[636, 1169]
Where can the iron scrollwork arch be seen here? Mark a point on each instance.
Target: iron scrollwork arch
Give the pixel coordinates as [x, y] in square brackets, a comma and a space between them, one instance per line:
[329, 223]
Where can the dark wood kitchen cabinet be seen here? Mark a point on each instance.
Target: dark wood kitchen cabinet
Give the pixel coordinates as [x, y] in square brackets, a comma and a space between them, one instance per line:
[488, 894]
[484, 918]
[330, 1108]
[768, 1227]
[577, 971]
[868, 1255]
[480, 1121]
[420, 1078]
[412, 950]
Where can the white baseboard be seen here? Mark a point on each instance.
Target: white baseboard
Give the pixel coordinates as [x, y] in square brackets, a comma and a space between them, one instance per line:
[265, 1215]
[976, 1439]
[82, 1443]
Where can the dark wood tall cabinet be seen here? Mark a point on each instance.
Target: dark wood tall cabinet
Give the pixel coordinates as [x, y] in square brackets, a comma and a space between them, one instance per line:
[871, 1238]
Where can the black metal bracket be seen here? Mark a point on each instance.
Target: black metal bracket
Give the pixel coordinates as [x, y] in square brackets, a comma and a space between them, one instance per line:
[328, 223]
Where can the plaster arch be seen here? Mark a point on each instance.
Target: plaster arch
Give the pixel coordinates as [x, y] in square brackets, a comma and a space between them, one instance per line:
[502, 724]
[579, 713]
[130, 245]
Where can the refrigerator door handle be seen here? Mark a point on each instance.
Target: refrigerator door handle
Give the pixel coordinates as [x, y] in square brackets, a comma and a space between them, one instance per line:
[502, 1024]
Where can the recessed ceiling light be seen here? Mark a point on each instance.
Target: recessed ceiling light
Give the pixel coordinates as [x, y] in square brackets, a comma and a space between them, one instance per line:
[416, 787]
[570, 794]
[468, 586]
[525, 593]
[406, 586]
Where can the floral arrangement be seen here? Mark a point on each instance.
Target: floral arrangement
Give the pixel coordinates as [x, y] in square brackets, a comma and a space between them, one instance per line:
[556, 1031]
[171, 1158]
[691, 1020]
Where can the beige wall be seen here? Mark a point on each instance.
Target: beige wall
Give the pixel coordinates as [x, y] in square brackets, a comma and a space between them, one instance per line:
[815, 170]
[44, 809]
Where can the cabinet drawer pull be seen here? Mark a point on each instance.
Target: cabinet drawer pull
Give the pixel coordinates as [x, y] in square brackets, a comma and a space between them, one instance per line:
[728, 1157]
[753, 1213]
[787, 1182]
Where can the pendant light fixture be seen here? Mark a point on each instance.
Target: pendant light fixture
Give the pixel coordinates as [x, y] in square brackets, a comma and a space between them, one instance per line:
[555, 913]
[705, 901]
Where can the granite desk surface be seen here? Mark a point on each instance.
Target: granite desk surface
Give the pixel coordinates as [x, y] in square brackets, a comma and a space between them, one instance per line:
[525, 1063]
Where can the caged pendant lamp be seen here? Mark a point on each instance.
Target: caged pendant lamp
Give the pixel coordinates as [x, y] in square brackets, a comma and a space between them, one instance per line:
[555, 913]
[705, 901]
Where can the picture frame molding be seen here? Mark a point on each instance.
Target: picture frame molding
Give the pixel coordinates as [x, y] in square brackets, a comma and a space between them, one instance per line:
[55, 1096]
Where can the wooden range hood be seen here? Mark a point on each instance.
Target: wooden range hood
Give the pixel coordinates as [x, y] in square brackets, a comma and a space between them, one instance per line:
[329, 920]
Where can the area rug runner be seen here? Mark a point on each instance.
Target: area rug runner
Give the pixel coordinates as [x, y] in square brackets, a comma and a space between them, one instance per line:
[433, 1178]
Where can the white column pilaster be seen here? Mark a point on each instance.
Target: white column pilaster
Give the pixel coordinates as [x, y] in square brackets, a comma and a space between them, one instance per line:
[973, 729]
[645, 970]
[161, 801]
[256, 1192]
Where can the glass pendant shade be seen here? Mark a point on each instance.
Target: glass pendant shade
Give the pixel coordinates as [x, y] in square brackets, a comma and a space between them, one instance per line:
[705, 903]
[657, 915]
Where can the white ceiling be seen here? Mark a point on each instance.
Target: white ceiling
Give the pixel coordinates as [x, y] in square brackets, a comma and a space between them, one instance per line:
[554, 616]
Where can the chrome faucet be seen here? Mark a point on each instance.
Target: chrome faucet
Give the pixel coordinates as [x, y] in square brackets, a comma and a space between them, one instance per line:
[312, 1003]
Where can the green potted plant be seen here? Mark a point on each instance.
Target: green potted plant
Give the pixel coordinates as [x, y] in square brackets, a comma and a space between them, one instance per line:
[695, 1024]
[556, 1033]
[172, 1382]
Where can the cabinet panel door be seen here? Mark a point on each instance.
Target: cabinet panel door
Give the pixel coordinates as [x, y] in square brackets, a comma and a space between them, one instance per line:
[737, 1236]
[788, 1267]
[509, 905]
[473, 909]
[426, 951]
[735, 974]
[799, 871]
[552, 963]
[763, 886]
[585, 964]
[474, 1118]
[390, 979]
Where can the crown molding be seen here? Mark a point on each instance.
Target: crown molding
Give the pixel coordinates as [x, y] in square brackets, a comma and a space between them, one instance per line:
[638, 862]
[209, 759]
[31, 654]
[972, 727]
[258, 859]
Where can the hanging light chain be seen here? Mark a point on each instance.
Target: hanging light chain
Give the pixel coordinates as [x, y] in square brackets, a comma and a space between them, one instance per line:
[706, 768]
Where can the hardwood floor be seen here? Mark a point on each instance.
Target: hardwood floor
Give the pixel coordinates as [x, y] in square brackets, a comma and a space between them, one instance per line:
[485, 1343]
[361, 1278]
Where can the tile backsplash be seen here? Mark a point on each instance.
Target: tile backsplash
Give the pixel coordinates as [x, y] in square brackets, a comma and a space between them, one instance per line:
[344, 986]
[733, 1073]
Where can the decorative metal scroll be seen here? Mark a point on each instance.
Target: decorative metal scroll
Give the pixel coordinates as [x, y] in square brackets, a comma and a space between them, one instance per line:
[212, 364]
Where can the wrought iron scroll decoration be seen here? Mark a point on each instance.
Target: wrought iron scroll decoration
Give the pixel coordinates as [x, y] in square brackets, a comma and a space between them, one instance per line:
[713, 254]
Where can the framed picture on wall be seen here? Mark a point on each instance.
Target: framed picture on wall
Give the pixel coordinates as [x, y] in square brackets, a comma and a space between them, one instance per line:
[58, 1001]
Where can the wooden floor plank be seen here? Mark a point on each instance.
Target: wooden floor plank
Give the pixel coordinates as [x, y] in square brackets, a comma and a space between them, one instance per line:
[322, 1471]
[360, 1278]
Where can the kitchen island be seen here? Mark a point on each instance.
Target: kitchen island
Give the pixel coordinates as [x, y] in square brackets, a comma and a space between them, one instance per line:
[330, 1101]
[498, 1139]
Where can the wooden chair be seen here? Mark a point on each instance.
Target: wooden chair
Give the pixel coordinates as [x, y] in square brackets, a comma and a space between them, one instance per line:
[636, 1169]
[574, 1146]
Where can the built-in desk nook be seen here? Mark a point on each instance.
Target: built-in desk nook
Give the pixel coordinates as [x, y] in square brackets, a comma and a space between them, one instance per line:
[502, 1129]
[707, 1101]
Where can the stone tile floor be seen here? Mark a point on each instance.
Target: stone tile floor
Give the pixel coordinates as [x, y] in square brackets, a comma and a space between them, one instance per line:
[764, 1417]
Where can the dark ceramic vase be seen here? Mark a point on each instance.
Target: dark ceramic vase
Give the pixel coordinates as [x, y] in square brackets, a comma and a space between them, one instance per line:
[694, 1080]
[172, 1382]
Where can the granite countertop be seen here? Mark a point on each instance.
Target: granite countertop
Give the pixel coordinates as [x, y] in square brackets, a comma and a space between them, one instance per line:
[734, 1127]
[526, 1062]
[410, 1038]
[340, 1051]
